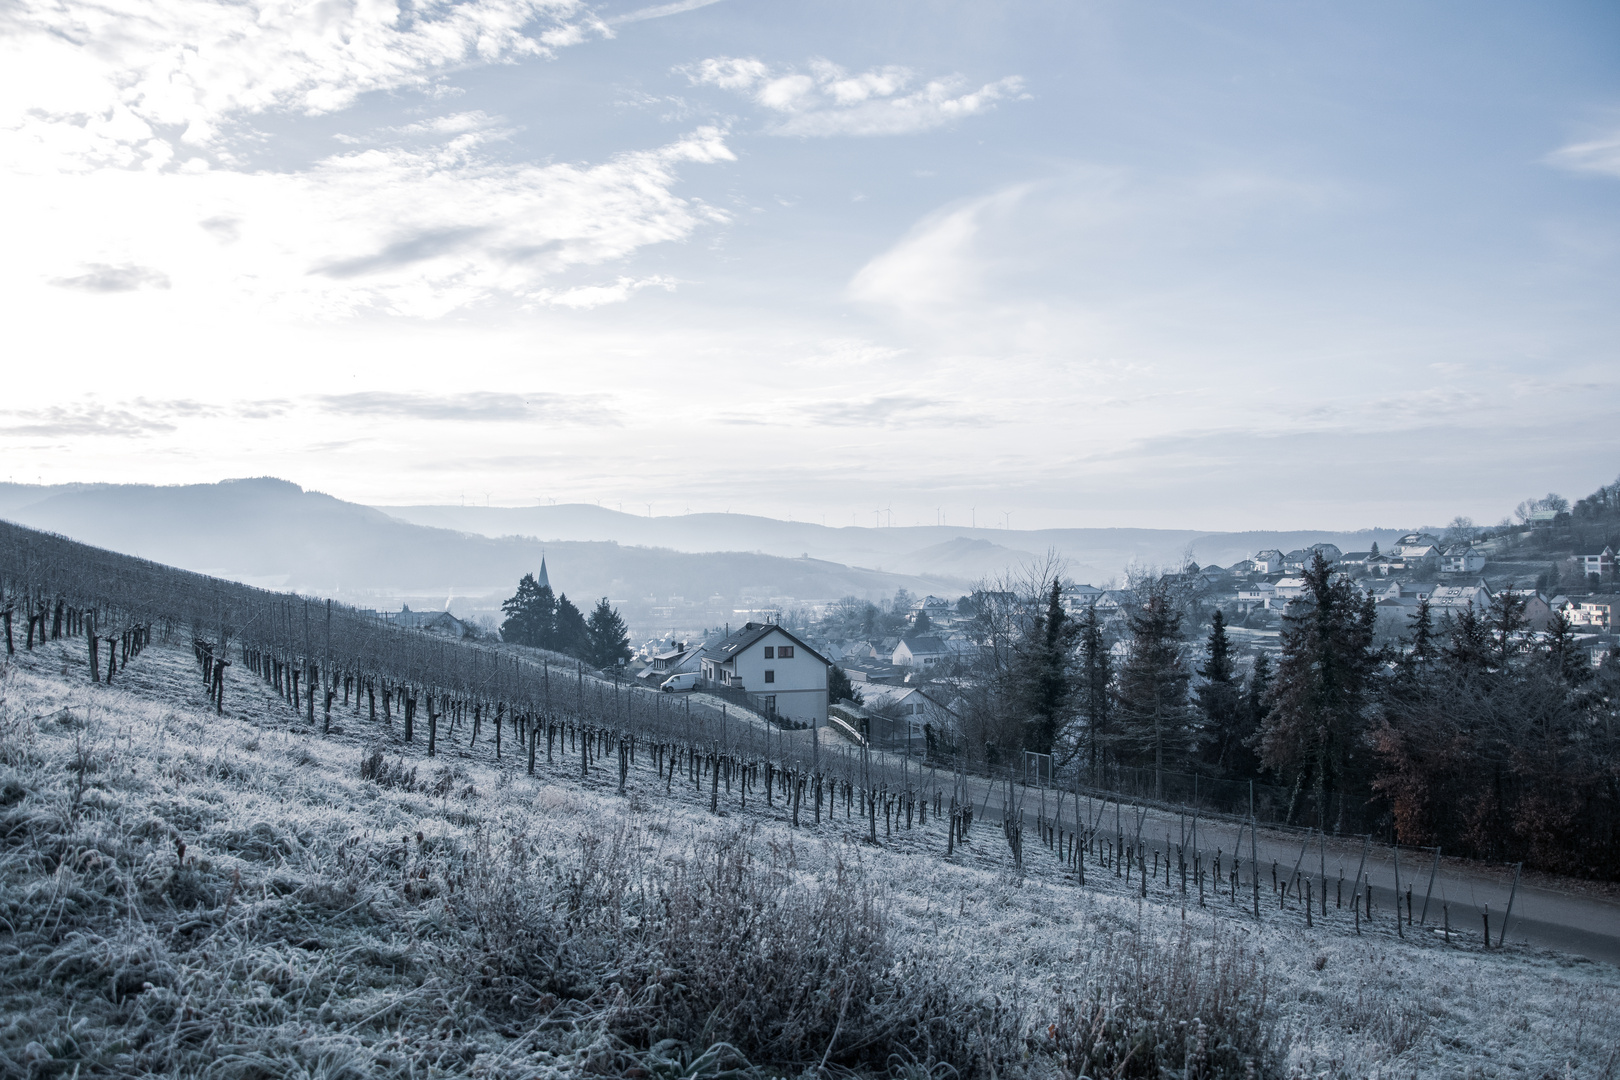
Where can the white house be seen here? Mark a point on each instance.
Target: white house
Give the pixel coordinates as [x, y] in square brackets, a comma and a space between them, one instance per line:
[1454, 598]
[781, 674]
[1289, 588]
[1598, 611]
[1354, 560]
[1416, 545]
[1601, 564]
[1256, 594]
[912, 711]
[924, 651]
[681, 660]
[1269, 561]
[1461, 559]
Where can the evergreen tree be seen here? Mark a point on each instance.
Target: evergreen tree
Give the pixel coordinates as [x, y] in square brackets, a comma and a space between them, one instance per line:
[1565, 660]
[1096, 673]
[607, 639]
[1468, 642]
[1422, 625]
[1318, 720]
[1153, 717]
[530, 614]
[922, 624]
[1220, 701]
[1257, 704]
[1044, 678]
[839, 686]
[1506, 621]
[569, 634]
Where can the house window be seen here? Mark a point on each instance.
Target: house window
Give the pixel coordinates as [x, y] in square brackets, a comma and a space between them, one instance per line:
[770, 676]
[770, 652]
[785, 652]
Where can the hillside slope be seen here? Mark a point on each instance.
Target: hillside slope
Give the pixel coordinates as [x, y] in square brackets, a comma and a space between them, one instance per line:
[190, 894]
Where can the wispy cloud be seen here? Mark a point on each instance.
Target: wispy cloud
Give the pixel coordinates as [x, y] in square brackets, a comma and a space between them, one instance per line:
[132, 419]
[419, 231]
[659, 11]
[1599, 155]
[829, 100]
[103, 278]
[476, 407]
[876, 411]
[936, 262]
[896, 411]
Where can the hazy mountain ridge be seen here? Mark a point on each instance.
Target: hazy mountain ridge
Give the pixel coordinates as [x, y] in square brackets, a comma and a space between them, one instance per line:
[678, 572]
[273, 533]
[1097, 553]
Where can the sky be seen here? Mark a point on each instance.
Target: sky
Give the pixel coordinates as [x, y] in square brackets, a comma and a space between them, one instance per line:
[1221, 265]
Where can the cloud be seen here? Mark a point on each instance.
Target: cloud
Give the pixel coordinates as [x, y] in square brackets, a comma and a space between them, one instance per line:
[590, 296]
[419, 231]
[828, 100]
[892, 411]
[895, 411]
[937, 262]
[1600, 155]
[136, 83]
[659, 11]
[101, 278]
[475, 407]
[134, 419]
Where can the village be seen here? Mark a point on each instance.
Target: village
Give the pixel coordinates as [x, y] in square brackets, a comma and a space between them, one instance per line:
[901, 684]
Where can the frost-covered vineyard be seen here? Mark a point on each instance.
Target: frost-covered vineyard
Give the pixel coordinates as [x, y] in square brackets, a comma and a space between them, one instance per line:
[193, 894]
[379, 855]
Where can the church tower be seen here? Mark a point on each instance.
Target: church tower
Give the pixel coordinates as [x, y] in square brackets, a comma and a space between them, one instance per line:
[545, 582]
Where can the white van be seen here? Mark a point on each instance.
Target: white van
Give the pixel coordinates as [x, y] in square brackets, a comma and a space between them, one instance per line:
[686, 680]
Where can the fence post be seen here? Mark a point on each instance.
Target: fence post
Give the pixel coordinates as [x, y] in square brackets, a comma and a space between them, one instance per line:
[1502, 938]
[1430, 891]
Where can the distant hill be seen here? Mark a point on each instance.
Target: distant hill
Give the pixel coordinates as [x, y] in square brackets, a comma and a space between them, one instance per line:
[1095, 554]
[674, 572]
[275, 534]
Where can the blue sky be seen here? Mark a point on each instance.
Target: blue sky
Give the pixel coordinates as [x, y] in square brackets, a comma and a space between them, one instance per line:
[1213, 265]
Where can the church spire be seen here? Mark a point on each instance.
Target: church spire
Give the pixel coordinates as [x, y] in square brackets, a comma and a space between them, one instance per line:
[545, 582]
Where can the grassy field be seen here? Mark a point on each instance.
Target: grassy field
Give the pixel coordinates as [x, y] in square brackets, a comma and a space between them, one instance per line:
[184, 894]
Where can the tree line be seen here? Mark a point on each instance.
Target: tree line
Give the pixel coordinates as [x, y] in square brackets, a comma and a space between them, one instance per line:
[540, 619]
[1472, 733]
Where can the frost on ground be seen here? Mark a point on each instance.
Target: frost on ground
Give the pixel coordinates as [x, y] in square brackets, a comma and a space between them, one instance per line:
[192, 895]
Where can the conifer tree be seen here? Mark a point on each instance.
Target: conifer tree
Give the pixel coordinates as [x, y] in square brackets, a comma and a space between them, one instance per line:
[1095, 675]
[607, 638]
[1422, 623]
[1153, 717]
[569, 634]
[1315, 730]
[531, 614]
[1045, 677]
[1220, 701]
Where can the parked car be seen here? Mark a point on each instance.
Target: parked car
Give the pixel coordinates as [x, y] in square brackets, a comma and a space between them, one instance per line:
[686, 680]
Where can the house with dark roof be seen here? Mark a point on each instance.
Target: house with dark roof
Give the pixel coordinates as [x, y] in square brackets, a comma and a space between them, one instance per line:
[782, 676]
[432, 622]
[1462, 559]
[919, 651]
